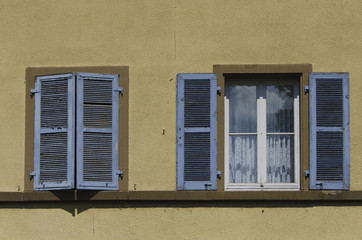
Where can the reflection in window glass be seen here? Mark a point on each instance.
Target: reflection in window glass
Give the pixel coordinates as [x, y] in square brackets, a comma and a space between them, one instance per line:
[242, 105]
[279, 105]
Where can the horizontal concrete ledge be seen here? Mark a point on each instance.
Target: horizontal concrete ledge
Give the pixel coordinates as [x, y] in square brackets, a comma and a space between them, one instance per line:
[180, 196]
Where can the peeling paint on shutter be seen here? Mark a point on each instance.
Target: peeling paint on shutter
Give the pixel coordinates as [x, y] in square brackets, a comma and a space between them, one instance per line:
[196, 132]
[97, 131]
[54, 132]
[329, 131]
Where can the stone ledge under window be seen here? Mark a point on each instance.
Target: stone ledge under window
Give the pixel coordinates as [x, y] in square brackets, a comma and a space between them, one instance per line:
[61, 196]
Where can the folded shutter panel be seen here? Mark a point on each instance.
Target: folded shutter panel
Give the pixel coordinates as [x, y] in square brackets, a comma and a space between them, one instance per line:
[54, 132]
[196, 131]
[329, 131]
[97, 131]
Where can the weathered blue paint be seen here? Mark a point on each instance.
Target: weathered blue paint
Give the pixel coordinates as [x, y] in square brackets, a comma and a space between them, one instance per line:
[182, 183]
[341, 183]
[38, 130]
[81, 130]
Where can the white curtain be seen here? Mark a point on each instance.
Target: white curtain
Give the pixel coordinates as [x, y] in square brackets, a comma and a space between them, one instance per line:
[242, 159]
[280, 158]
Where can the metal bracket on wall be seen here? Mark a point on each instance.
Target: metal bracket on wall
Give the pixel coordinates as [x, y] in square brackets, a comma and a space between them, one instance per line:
[306, 173]
[120, 90]
[218, 174]
[218, 89]
[120, 174]
[32, 175]
[306, 89]
[33, 91]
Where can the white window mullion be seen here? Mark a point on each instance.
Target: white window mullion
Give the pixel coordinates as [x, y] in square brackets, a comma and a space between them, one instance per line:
[226, 141]
[296, 135]
[262, 134]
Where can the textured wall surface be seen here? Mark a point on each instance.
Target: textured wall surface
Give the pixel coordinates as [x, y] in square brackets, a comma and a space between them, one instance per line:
[187, 221]
[158, 39]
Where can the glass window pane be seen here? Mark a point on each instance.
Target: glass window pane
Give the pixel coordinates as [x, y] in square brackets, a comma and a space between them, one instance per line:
[280, 108]
[280, 159]
[242, 159]
[242, 108]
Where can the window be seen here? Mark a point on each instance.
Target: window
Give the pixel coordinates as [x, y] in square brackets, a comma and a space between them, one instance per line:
[79, 134]
[278, 127]
[261, 132]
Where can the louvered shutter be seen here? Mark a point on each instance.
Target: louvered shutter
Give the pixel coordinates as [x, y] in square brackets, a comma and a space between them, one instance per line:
[196, 131]
[97, 131]
[54, 132]
[329, 131]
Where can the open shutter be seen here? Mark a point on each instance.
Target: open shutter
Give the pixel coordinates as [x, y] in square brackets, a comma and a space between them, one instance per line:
[196, 131]
[54, 132]
[97, 131]
[329, 131]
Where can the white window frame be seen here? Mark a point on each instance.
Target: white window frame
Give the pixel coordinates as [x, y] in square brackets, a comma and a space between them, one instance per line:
[261, 141]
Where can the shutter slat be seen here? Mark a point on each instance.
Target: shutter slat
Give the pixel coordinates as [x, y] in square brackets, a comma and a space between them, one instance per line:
[54, 151]
[196, 132]
[329, 131]
[97, 116]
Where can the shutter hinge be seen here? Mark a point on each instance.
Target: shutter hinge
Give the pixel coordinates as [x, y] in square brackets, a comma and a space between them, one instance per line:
[120, 173]
[306, 89]
[33, 91]
[218, 89]
[32, 175]
[347, 96]
[306, 173]
[218, 174]
[120, 90]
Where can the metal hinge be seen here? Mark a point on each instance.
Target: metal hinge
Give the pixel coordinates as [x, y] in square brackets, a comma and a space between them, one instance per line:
[32, 175]
[218, 174]
[120, 90]
[33, 91]
[218, 89]
[120, 173]
[306, 173]
[306, 89]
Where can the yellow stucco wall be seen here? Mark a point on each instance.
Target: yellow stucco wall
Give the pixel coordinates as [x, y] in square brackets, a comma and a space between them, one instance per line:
[158, 39]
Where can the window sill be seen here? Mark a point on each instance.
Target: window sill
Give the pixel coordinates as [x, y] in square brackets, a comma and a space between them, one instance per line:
[180, 196]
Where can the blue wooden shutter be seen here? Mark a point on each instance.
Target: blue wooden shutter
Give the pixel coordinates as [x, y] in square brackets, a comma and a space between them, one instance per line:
[54, 132]
[97, 131]
[196, 131]
[329, 131]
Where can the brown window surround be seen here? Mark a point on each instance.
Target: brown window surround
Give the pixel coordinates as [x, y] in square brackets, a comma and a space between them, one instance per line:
[303, 71]
[31, 73]
[220, 195]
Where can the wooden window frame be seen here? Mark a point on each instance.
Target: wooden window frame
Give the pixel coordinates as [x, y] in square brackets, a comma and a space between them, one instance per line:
[261, 133]
[303, 70]
[123, 129]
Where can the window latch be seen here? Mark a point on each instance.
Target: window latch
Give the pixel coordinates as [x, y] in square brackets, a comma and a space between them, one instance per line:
[119, 90]
[320, 185]
[33, 91]
[207, 185]
[218, 90]
[120, 174]
[32, 175]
